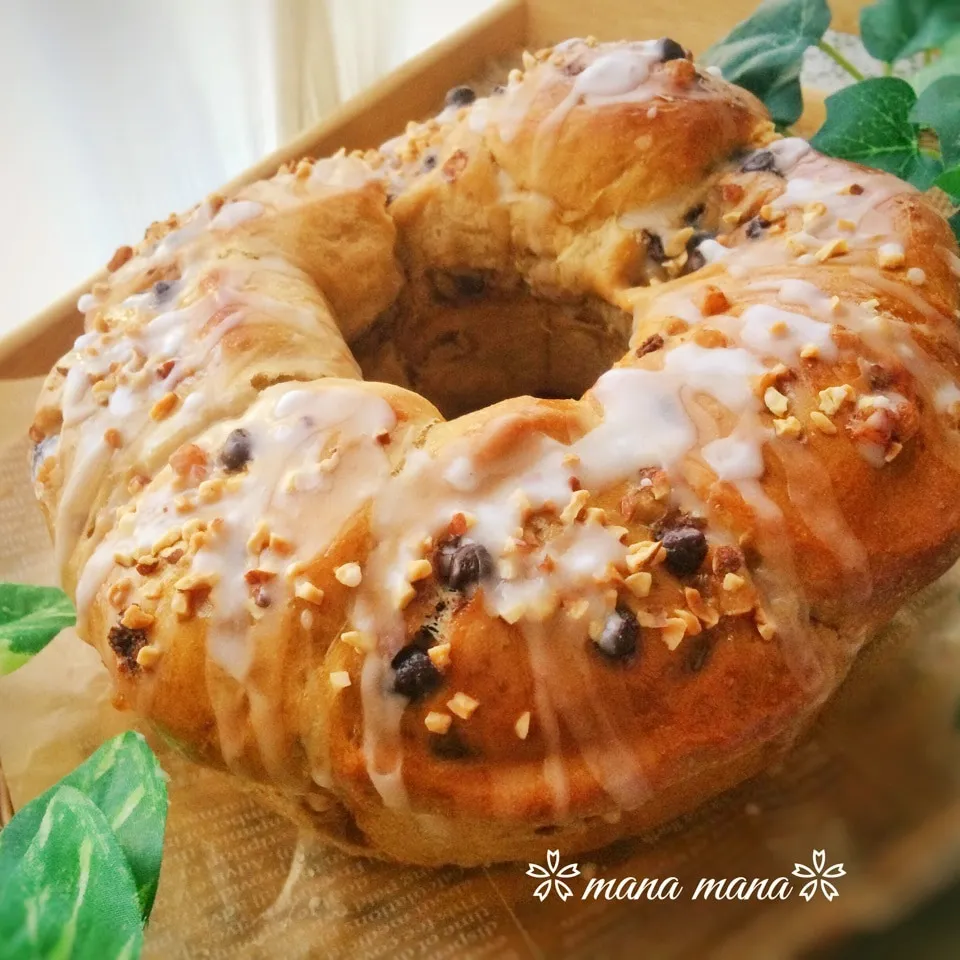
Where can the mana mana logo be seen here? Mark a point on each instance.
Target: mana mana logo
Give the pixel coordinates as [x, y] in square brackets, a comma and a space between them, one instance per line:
[818, 879]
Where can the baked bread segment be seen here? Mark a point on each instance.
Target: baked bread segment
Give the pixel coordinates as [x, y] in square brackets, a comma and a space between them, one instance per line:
[701, 398]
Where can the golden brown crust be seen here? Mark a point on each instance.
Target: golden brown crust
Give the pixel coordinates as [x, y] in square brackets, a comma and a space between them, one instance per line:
[542, 620]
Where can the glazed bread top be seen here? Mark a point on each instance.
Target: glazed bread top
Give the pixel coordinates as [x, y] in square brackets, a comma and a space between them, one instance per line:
[541, 610]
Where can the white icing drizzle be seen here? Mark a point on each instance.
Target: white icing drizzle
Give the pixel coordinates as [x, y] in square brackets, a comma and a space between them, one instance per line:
[292, 428]
[233, 214]
[619, 73]
[87, 302]
[645, 423]
[665, 418]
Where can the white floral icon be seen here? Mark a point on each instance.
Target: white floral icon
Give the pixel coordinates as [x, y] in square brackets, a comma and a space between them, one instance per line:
[818, 878]
[553, 876]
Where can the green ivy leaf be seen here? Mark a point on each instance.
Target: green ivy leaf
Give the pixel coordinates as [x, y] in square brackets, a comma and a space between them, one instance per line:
[939, 108]
[869, 123]
[764, 54]
[946, 64]
[30, 617]
[69, 894]
[124, 781]
[949, 183]
[894, 29]
[954, 222]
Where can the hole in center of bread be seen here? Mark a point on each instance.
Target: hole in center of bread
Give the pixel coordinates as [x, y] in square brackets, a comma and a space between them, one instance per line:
[466, 346]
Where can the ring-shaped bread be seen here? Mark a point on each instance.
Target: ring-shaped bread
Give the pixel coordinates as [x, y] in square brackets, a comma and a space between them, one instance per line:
[446, 640]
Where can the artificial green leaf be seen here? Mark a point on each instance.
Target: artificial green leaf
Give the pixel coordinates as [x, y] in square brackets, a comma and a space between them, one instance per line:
[70, 894]
[945, 65]
[949, 183]
[764, 53]
[124, 781]
[30, 617]
[954, 222]
[869, 123]
[894, 29]
[939, 108]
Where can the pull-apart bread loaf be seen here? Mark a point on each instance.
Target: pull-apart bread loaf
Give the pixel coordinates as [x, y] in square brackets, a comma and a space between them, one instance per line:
[701, 390]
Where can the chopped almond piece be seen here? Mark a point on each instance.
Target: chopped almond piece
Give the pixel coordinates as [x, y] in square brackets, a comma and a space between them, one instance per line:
[136, 618]
[349, 574]
[692, 625]
[833, 398]
[280, 545]
[644, 551]
[765, 628]
[834, 248]
[307, 591]
[119, 591]
[148, 656]
[713, 301]
[733, 582]
[522, 726]
[196, 581]
[437, 722]
[639, 584]
[440, 655]
[575, 507]
[164, 406]
[462, 705]
[340, 679]
[673, 632]
[775, 401]
[361, 642]
[182, 606]
[823, 423]
[788, 427]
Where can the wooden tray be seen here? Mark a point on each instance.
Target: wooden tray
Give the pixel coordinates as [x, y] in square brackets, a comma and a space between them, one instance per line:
[415, 90]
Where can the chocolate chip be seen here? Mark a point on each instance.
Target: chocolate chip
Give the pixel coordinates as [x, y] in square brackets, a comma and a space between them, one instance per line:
[698, 652]
[236, 451]
[429, 162]
[451, 746]
[655, 249]
[620, 633]
[653, 343]
[497, 90]
[126, 643]
[460, 97]
[693, 215]
[856, 189]
[695, 261]
[756, 227]
[463, 564]
[685, 548]
[414, 673]
[761, 161]
[161, 290]
[469, 284]
[671, 50]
